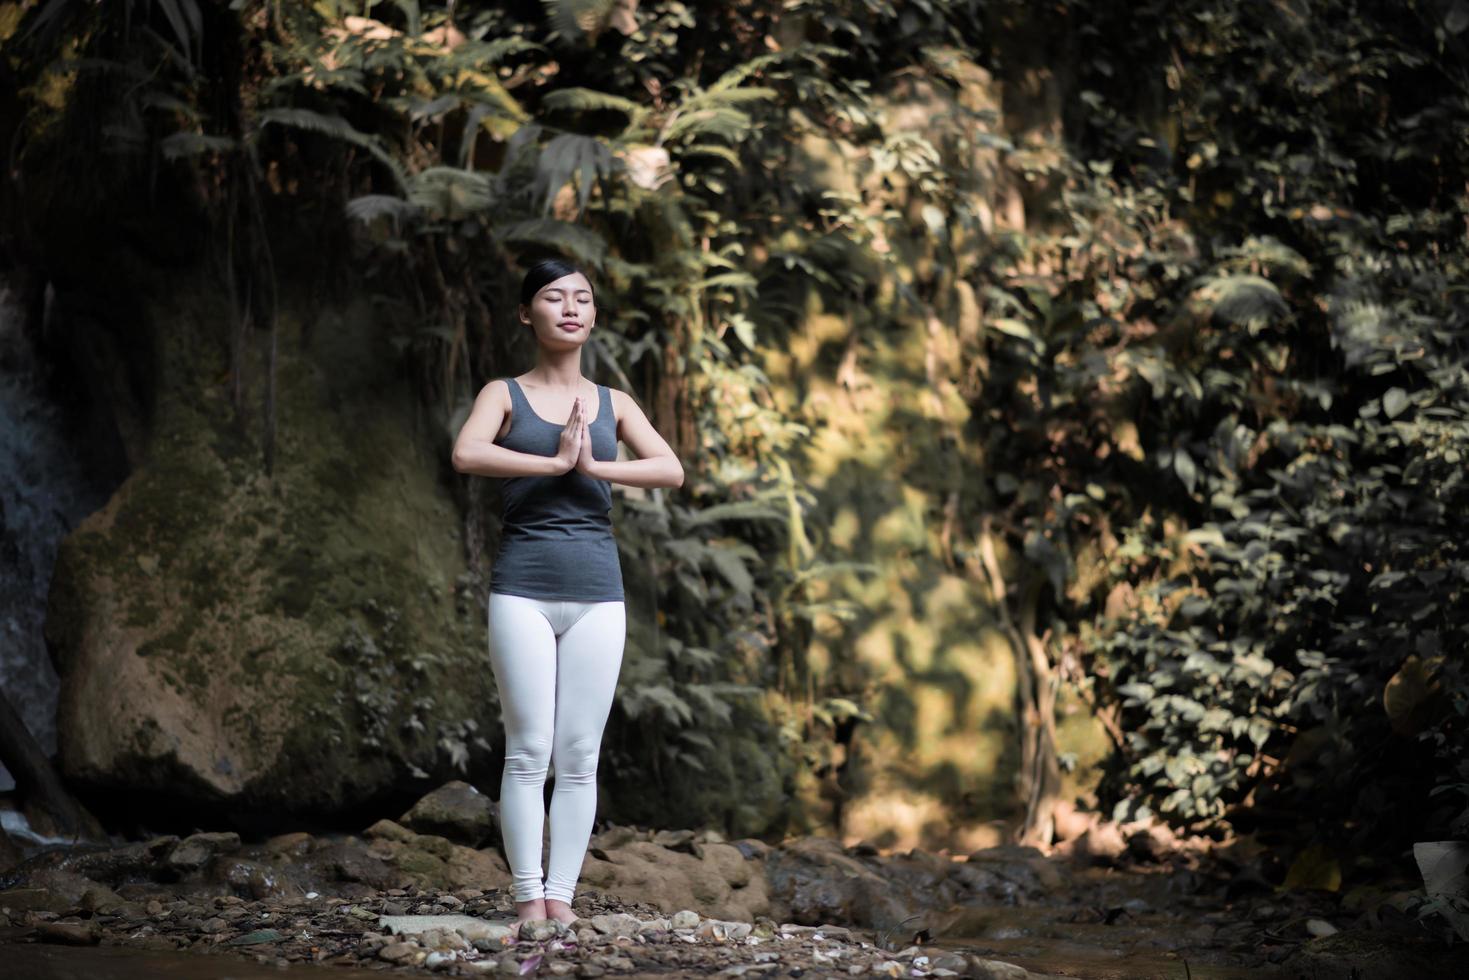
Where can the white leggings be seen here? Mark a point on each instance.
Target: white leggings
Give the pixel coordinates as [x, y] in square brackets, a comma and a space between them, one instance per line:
[556, 664]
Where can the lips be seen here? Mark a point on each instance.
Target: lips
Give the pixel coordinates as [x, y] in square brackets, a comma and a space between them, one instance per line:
[569, 325]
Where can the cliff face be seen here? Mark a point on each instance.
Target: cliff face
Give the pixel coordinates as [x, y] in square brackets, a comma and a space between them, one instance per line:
[292, 640]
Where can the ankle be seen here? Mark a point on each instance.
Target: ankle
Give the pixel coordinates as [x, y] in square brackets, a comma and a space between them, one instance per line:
[534, 908]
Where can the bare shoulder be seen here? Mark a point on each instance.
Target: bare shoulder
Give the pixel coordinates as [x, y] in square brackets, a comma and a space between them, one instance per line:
[623, 402]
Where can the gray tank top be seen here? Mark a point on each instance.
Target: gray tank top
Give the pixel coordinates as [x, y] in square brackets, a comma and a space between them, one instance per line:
[556, 541]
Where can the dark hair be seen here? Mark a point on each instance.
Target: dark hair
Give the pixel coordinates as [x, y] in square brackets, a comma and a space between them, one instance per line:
[544, 271]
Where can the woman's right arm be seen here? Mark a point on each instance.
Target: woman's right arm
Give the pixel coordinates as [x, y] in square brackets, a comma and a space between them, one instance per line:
[475, 451]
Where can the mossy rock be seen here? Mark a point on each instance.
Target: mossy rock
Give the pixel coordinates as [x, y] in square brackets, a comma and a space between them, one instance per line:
[272, 641]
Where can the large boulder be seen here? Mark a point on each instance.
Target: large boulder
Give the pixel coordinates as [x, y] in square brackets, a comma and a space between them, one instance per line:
[279, 641]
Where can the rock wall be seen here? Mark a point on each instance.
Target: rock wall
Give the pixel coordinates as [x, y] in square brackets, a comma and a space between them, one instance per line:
[284, 642]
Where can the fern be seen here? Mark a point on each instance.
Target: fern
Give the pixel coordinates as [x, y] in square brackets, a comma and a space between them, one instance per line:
[583, 245]
[178, 145]
[339, 128]
[449, 192]
[578, 99]
[565, 155]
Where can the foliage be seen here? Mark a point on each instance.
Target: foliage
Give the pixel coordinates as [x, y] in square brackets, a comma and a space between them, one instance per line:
[1193, 271]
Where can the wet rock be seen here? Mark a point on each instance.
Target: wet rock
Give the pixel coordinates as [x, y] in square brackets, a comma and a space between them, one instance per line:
[70, 933]
[196, 850]
[456, 811]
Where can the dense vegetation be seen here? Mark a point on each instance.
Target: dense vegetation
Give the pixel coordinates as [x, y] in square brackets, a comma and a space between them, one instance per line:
[1191, 406]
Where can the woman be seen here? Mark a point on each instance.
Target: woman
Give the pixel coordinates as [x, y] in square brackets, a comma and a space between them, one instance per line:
[556, 615]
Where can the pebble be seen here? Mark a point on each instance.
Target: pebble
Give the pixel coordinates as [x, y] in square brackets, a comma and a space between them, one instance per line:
[398, 952]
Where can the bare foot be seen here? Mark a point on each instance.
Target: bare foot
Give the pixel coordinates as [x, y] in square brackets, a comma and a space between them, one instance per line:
[560, 911]
[526, 911]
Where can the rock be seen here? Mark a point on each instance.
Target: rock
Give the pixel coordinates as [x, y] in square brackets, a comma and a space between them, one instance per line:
[195, 851]
[1102, 844]
[615, 924]
[256, 937]
[815, 880]
[957, 962]
[251, 879]
[986, 969]
[654, 925]
[114, 864]
[589, 969]
[399, 952]
[675, 840]
[716, 882]
[289, 845]
[1150, 844]
[538, 930]
[34, 900]
[1320, 927]
[1008, 874]
[684, 919]
[457, 811]
[72, 890]
[439, 960]
[87, 933]
[276, 649]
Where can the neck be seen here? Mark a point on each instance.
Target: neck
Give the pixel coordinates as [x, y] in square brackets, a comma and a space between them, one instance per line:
[558, 369]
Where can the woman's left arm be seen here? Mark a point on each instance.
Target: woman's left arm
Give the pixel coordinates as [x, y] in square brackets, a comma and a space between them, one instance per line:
[656, 465]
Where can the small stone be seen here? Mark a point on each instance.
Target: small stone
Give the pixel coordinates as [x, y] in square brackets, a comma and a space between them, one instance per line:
[589, 970]
[1320, 927]
[398, 952]
[214, 925]
[615, 924]
[438, 960]
[538, 930]
[493, 934]
[685, 919]
[995, 970]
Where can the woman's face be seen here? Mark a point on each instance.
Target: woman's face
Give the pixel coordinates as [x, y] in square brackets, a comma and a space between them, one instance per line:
[562, 311]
